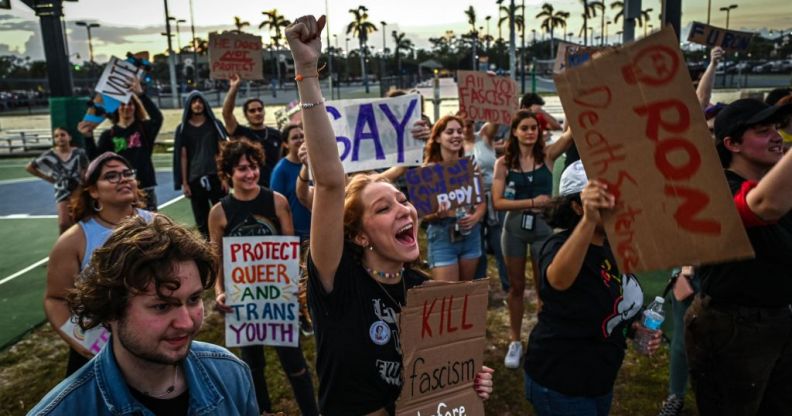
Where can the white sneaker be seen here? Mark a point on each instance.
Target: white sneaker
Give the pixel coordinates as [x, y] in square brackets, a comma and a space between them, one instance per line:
[514, 354]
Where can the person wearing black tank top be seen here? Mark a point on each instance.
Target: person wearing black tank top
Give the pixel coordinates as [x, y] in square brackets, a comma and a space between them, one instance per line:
[252, 210]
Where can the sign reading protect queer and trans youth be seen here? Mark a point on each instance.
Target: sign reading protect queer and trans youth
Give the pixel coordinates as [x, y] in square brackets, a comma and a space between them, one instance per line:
[639, 128]
[452, 184]
[486, 97]
[93, 339]
[729, 40]
[374, 134]
[261, 281]
[116, 80]
[235, 53]
[442, 330]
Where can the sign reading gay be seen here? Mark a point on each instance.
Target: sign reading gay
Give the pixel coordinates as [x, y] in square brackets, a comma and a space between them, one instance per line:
[453, 184]
[235, 53]
[442, 330]
[729, 40]
[116, 80]
[373, 134]
[486, 97]
[639, 128]
[262, 283]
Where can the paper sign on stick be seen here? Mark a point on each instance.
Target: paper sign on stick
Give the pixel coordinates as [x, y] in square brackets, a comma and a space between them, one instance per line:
[235, 53]
[486, 97]
[116, 80]
[442, 330]
[729, 40]
[262, 282]
[639, 127]
[93, 339]
[561, 56]
[454, 184]
[374, 134]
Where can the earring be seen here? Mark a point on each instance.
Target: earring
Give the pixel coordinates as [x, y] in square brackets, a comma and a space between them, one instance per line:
[97, 206]
[371, 247]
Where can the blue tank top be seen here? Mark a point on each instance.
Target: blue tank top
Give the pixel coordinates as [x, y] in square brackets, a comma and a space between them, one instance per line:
[96, 234]
[531, 184]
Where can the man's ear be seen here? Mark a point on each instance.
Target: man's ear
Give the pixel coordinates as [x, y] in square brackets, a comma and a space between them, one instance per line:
[731, 145]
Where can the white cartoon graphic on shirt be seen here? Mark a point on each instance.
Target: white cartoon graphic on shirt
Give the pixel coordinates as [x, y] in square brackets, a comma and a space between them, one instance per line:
[625, 306]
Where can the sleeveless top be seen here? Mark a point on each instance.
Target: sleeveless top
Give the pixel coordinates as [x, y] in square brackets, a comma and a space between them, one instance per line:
[532, 183]
[256, 217]
[96, 234]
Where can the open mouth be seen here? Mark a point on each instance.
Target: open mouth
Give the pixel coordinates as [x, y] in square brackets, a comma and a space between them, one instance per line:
[776, 149]
[406, 235]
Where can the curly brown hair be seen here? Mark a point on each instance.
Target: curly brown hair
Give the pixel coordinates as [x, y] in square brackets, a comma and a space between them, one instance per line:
[432, 149]
[512, 153]
[233, 150]
[135, 255]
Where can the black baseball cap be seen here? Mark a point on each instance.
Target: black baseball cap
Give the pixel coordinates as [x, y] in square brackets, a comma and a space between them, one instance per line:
[744, 113]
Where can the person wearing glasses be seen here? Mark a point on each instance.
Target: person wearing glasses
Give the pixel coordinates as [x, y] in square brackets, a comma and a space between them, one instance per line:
[109, 194]
[253, 110]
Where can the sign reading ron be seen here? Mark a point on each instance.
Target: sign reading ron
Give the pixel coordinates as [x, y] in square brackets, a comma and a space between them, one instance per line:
[639, 128]
[235, 53]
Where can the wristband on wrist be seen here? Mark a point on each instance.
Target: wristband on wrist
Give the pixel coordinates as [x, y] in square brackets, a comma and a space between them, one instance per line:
[308, 106]
[300, 77]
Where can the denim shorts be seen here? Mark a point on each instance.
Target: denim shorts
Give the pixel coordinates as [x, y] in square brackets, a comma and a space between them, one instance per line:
[442, 252]
[548, 402]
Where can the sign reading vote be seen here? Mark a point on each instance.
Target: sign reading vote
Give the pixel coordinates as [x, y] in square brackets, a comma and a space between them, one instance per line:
[374, 134]
[116, 80]
[486, 97]
[639, 128]
[442, 330]
[261, 281]
[451, 184]
[729, 40]
[235, 53]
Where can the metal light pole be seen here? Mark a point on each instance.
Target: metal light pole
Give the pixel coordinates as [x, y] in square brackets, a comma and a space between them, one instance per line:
[607, 26]
[88, 27]
[178, 38]
[384, 55]
[194, 45]
[522, 53]
[488, 31]
[728, 11]
[329, 50]
[171, 60]
[346, 64]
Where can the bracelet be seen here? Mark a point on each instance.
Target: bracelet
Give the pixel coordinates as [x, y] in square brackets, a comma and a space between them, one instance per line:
[300, 77]
[308, 106]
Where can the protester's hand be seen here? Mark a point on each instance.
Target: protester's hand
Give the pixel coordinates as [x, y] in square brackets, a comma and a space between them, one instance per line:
[135, 87]
[86, 128]
[233, 82]
[421, 131]
[595, 198]
[304, 37]
[442, 208]
[716, 55]
[302, 154]
[469, 221]
[654, 341]
[220, 304]
[186, 190]
[483, 382]
[541, 200]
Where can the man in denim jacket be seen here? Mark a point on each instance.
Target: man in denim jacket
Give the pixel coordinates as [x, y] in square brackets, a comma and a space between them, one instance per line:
[145, 285]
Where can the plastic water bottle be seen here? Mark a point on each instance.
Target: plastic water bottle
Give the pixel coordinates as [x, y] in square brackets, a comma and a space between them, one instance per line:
[510, 192]
[653, 318]
[460, 213]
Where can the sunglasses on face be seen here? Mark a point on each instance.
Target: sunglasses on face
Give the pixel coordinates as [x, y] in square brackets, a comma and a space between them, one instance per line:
[116, 176]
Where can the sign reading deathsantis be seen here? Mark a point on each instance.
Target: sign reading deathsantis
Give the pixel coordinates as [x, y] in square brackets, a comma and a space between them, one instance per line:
[116, 80]
[375, 133]
[451, 184]
[442, 330]
[261, 280]
[486, 97]
[729, 40]
[639, 128]
[235, 53]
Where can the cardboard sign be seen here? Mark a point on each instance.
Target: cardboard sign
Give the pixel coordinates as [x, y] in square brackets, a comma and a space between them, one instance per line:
[235, 53]
[486, 97]
[578, 55]
[375, 133]
[639, 127]
[93, 339]
[448, 183]
[442, 330]
[729, 40]
[116, 80]
[261, 280]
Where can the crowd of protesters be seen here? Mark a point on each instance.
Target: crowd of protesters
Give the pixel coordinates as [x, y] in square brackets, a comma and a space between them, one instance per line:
[120, 265]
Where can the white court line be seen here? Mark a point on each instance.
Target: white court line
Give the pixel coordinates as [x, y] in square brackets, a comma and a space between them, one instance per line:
[18, 180]
[45, 259]
[26, 217]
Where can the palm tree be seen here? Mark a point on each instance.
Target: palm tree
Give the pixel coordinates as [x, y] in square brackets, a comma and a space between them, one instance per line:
[401, 43]
[620, 6]
[500, 19]
[643, 18]
[601, 6]
[470, 12]
[240, 24]
[274, 22]
[515, 18]
[361, 27]
[552, 19]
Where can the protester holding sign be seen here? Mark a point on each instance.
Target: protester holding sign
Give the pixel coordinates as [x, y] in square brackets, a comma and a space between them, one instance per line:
[577, 346]
[132, 135]
[252, 210]
[357, 276]
[522, 186]
[738, 331]
[63, 166]
[109, 193]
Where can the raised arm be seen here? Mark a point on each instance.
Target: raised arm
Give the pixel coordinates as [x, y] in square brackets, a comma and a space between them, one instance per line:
[229, 103]
[154, 123]
[303, 188]
[704, 89]
[555, 150]
[329, 181]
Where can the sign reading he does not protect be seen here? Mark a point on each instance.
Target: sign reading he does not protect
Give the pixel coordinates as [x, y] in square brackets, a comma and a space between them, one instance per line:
[639, 128]
[235, 53]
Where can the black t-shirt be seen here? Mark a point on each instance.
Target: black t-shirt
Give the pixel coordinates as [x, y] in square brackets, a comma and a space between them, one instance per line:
[359, 359]
[270, 140]
[762, 281]
[578, 344]
[164, 407]
[201, 145]
[256, 217]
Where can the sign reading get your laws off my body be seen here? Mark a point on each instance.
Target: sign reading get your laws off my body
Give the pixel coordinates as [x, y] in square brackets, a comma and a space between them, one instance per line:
[639, 128]
[486, 97]
[373, 134]
[442, 330]
[454, 184]
[261, 281]
[235, 53]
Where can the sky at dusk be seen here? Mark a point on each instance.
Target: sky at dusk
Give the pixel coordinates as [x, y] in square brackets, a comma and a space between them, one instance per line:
[136, 25]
